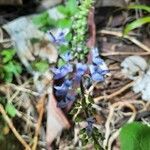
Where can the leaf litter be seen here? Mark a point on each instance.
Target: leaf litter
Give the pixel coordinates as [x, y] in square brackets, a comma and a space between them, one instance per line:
[43, 100]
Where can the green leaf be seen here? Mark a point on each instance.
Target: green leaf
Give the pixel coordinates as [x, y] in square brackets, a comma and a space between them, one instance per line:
[43, 21]
[68, 37]
[35, 40]
[72, 6]
[10, 109]
[61, 62]
[63, 49]
[10, 69]
[78, 119]
[142, 7]
[69, 9]
[73, 111]
[13, 67]
[62, 9]
[40, 19]
[135, 136]
[64, 23]
[8, 77]
[82, 131]
[8, 55]
[135, 24]
[41, 66]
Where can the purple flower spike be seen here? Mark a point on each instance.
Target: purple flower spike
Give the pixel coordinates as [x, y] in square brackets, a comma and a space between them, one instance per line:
[62, 71]
[67, 57]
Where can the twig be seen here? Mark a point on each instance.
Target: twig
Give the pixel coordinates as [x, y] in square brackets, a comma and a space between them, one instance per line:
[19, 88]
[17, 92]
[10, 124]
[132, 39]
[41, 112]
[5, 41]
[97, 99]
[112, 138]
[23, 117]
[126, 53]
[109, 119]
[88, 91]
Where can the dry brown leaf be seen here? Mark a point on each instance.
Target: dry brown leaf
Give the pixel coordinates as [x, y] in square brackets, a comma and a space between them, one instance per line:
[45, 50]
[92, 29]
[56, 121]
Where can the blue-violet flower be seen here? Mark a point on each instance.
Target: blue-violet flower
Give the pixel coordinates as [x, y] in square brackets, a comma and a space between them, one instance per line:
[80, 70]
[58, 36]
[64, 102]
[89, 126]
[63, 89]
[62, 71]
[67, 56]
[97, 73]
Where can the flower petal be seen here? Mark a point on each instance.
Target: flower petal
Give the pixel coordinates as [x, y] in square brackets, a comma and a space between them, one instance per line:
[92, 68]
[97, 60]
[62, 71]
[81, 68]
[67, 56]
[97, 77]
[63, 89]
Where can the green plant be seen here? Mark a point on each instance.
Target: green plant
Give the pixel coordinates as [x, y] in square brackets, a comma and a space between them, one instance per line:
[139, 22]
[9, 66]
[10, 109]
[135, 136]
[83, 111]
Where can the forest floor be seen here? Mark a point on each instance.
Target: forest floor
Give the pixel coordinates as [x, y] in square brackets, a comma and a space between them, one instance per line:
[30, 119]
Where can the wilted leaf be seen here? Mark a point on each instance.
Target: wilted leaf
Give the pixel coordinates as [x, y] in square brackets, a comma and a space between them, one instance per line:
[56, 120]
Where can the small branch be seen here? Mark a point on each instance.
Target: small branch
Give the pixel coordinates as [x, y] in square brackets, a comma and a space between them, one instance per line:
[126, 53]
[10, 124]
[41, 112]
[20, 88]
[132, 39]
[108, 141]
[5, 41]
[97, 99]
